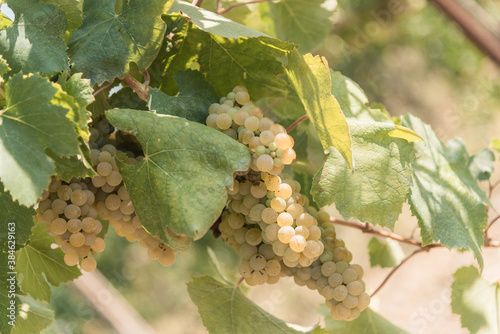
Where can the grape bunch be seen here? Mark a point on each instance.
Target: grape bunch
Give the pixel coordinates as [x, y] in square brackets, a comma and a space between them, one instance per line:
[71, 209]
[271, 225]
[70, 216]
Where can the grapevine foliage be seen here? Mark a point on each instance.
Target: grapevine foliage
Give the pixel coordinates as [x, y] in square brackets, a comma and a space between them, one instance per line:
[152, 117]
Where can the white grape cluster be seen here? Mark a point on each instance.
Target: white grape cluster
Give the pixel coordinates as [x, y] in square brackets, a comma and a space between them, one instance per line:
[271, 225]
[338, 281]
[68, 211]
[238, 117]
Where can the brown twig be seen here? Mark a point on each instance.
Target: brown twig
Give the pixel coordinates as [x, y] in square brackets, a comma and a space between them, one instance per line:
[271, 106]
[197, 3]
[415, 252]
[240, 281]
[477, 33]
[368, 228]
[140, 89]
[222, 11]
[102, 88]
[297, 122]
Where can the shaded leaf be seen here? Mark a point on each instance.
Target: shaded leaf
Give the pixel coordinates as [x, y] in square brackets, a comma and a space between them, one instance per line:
[445, 196]
[386, 253]
[14, 218]
[192, 102]
[368, 322]
[215, 301]
[105, 44]
[481, 164]
[33, 43]
[29, 125]
[377, 188]
[126, 98]
[181, 181]
[39, 266]
[306, 23]
[34, 316]
[72, 11]
[213, 23]
[310, 78]
[476, 300]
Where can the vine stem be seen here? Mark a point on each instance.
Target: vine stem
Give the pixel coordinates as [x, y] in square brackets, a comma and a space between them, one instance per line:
[297, 122]
[222, 11]
[140, 89]
[415, 252]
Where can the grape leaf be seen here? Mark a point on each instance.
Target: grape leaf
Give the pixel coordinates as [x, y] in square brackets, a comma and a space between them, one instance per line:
[251, 62]
[192, 102]
[476, 300]
[4, 67]
[213, 23]
[21, 216]
[181, 182]
[100, 105]
[6, 278]
[72, 11]
[481, 164]
[126, 98]
[306, 23]
[445, 196]
[29, 125]
[82, 93]
[40, 266]
[104, 45]
[377, 188]
[353, 101]
[386, 254]
[310, 77]
[33, 43]
[225, 309]
[368, 322]
[34, 316]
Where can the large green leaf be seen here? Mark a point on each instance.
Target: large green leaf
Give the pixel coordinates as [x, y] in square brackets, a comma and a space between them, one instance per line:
[213, 23]
[192, 102]
[310, 77]
[306, 23]
[224, 309]
[16, 219]
[445, 196]
[39, 266]
[476, 300]
[72, 11]
[103, 47]
[368, 322]
[34, 316]
[377, 187]
[33, 43]
[181, 181]
[29, 125]
[386, 253]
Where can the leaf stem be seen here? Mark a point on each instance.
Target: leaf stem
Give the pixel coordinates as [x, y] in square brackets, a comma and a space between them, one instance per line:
[222, 11]
[240, 281]
[271, 106]
[297, 122]
[415, 252]
[140, 89]
[102, 88]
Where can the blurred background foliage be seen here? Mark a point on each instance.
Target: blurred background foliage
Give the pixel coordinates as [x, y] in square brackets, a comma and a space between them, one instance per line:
[406, 55]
